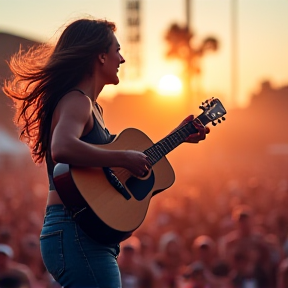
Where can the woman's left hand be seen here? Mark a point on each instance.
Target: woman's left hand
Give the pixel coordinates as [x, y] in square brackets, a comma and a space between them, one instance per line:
[202, 130]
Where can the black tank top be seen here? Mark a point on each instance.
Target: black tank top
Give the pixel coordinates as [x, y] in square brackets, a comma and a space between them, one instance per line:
[98, 135]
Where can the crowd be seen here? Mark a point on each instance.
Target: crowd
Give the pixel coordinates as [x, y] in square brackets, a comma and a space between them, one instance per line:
[226, 232]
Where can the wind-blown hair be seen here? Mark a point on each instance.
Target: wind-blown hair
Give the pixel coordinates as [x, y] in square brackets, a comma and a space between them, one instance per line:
[43, 74]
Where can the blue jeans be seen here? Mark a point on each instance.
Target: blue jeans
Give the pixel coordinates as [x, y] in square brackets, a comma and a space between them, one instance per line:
[74, 259]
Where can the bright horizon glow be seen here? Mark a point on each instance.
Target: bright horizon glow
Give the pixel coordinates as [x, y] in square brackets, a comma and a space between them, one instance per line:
[170, 85]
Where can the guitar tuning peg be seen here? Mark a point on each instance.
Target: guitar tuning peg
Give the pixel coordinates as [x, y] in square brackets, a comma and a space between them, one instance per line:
[223, 118]
[213, 123]
[219, 121]
[202, 108]
[208, 103]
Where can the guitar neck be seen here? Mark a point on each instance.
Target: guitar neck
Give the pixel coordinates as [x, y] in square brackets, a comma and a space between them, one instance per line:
[213, 110]
[169, 143]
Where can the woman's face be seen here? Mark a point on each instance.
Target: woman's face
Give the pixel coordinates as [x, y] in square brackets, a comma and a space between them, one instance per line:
[111, 62]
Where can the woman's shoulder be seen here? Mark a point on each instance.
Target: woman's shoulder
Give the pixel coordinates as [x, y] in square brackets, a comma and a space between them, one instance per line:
[73, 104]
[77, 99]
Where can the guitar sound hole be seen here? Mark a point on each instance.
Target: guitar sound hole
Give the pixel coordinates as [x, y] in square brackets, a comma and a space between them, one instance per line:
[140, 187]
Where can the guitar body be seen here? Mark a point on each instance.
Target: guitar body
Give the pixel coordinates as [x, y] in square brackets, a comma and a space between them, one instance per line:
[110, 203]
[105, 214]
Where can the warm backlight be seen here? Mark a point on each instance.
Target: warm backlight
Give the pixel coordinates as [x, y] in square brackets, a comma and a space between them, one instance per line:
[170, 85]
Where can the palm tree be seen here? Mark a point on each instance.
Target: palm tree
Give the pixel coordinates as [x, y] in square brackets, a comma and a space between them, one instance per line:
[180, 47]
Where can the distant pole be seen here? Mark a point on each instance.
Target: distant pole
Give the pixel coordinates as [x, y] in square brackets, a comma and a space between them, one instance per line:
[188, 14]
[188, 75]
[234, 53]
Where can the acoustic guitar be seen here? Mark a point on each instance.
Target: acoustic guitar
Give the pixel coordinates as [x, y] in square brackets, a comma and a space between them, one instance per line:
[110, 203]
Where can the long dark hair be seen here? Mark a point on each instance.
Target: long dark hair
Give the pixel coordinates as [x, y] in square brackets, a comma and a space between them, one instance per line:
[43, 74]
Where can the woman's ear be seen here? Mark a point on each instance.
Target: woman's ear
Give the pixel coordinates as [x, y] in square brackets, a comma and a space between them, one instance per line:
[102, 57]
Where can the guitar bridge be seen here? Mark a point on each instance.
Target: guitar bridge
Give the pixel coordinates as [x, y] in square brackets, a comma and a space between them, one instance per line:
[114, 181]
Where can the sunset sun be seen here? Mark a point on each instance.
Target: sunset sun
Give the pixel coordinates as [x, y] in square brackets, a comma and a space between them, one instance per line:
[170, 85]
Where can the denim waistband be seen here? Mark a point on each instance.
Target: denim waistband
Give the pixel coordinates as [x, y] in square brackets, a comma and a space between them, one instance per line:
[60, 212]
[58, 208]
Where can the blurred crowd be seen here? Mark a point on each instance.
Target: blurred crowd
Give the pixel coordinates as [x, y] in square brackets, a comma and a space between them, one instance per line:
[228, 231]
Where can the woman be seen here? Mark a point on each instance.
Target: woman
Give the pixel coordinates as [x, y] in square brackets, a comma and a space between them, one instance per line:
[55, 91]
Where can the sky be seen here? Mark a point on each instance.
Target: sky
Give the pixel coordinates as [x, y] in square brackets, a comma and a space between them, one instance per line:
[261, 38]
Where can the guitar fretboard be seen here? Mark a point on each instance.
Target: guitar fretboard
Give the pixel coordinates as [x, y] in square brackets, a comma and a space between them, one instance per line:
[170, 142]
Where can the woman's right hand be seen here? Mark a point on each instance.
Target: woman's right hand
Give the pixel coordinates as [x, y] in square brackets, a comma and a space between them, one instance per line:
[137, 163]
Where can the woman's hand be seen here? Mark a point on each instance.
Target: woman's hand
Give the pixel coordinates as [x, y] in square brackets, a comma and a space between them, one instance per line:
[202, 130]
[137, 163]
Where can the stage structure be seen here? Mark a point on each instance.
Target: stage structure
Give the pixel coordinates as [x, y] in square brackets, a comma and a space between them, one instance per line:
[133, 38]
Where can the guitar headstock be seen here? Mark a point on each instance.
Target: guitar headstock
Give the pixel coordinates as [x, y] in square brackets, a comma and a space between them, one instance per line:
[212, 110]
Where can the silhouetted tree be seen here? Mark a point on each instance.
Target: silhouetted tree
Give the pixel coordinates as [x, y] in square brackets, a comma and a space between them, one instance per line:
[180, 46]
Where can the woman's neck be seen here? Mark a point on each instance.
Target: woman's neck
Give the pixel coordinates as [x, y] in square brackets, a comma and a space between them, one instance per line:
[91, 88]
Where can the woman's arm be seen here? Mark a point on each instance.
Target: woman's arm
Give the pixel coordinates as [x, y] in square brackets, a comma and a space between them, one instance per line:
[73, 118]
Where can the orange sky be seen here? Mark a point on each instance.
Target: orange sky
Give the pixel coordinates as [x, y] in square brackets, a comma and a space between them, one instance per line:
[261, 36]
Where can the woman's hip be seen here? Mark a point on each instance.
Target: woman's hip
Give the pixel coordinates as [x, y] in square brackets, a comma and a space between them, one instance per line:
[72, 258]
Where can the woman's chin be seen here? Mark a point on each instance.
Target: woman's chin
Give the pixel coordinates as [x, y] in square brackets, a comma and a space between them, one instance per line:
[116, 81]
